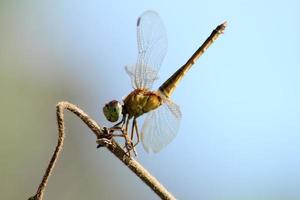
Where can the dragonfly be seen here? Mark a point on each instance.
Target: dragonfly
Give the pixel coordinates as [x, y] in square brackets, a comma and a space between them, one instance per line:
[163, 116]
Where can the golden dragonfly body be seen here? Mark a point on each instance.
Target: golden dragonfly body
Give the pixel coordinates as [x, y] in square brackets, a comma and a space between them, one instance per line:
[163, 115]
[141, 101]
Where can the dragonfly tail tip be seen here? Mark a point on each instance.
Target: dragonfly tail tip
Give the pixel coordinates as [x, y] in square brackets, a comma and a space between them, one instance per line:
[222, 27]
[225, 24]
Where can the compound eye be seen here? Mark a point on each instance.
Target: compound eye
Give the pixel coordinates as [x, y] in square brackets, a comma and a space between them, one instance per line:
[112, 111]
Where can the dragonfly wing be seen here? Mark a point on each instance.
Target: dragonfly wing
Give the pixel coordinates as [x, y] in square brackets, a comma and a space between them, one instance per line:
[161, 126]
[136, 81]
[130, 70]
[152, 47]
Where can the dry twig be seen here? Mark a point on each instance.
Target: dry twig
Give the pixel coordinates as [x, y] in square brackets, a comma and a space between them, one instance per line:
[101, 133]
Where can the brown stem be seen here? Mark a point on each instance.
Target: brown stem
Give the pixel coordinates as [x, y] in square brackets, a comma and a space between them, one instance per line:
[132, 164]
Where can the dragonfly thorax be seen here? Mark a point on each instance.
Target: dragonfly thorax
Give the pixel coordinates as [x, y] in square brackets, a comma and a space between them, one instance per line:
[141, 101]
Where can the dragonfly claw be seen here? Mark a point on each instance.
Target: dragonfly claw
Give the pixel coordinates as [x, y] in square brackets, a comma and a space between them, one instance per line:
[108, 133]
[105, 138]
[102, 142]
[129, 149]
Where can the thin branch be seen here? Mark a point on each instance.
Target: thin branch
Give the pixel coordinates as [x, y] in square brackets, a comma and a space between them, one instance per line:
[113, 147]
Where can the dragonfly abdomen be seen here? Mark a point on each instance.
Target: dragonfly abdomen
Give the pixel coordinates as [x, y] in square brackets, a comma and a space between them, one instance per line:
[141, 101]
[168, 87]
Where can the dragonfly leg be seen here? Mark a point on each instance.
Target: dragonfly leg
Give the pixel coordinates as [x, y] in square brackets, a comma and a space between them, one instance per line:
[126, 126]
[122, 126]
[128, 143]
[121, 122]
[136, 131]
[108, 134]
[124, 131]
[128, 146]
[131, 136]
[132, 129]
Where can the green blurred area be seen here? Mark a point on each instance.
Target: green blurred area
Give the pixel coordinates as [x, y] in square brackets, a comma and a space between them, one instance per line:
[28, 137]
[26, 130]
[34, 76]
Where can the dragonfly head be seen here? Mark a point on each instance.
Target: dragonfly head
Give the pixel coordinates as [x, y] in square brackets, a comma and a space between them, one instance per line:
[112, 110]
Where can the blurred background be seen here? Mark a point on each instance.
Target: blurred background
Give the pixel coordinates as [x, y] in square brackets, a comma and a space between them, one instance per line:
[240, 132]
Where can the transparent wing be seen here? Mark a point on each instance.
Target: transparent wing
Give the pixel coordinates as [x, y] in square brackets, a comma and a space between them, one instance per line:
[161, 126]
[150, 75]
[152, 47]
